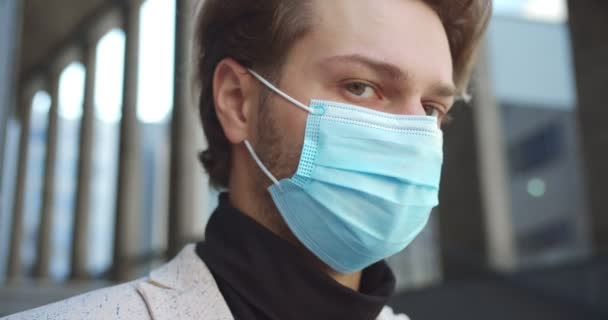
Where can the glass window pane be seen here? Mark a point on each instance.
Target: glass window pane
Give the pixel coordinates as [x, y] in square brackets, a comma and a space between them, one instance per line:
[108, 104]
[71, 95]
[110, 76]
[539, 10]
[41, 103]
[155, 103]
[156, 51]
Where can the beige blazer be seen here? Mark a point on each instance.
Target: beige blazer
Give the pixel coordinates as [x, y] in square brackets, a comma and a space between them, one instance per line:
[183, 289]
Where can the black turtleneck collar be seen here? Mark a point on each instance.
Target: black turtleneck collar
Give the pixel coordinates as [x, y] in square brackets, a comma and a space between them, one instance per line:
[262, 276]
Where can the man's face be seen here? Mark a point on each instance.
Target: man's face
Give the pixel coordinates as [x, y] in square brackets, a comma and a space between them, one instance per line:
[389, 55]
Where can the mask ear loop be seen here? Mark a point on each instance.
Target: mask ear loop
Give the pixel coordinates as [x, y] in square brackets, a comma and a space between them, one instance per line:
[260, 164]
[281, 93]
[286, 97]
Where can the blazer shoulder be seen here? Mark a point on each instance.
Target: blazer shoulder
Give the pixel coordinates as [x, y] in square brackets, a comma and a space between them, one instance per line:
[183, 288]
[117, 302]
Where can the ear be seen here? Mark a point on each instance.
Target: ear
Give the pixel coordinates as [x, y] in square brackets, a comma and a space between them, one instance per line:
[233, 95]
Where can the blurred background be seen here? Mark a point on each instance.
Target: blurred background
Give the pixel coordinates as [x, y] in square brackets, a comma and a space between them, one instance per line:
[99, 180]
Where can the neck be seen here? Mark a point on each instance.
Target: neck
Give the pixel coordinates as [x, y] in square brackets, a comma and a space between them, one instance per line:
[255, 201]
[351, 280]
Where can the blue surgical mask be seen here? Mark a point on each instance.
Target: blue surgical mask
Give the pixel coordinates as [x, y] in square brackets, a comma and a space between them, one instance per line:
[365, 184]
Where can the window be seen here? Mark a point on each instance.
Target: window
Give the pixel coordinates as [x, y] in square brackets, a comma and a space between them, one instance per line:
[41, 104]
[108, 103]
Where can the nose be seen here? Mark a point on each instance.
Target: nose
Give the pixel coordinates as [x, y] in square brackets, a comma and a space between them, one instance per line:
[412, 106]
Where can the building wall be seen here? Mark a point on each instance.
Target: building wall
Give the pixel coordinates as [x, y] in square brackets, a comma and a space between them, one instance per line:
[533, 78]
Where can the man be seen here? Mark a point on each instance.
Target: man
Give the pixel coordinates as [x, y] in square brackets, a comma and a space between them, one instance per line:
[323, 121]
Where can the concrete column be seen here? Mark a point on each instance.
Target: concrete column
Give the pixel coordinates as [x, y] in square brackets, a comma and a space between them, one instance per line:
[461, 216]
[14, 259]
[10, 23]
[186, 196]
[45, 239]
[588, 25]
[501, 246]
[85, 166]
[127, 228]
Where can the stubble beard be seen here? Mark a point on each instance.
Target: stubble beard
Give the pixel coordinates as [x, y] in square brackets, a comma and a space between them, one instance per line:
[280, 158]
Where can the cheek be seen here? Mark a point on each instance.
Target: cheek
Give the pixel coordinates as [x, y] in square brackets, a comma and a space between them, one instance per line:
[291, 122]
[290, 125]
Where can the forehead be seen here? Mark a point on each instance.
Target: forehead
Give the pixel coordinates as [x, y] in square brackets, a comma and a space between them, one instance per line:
[406, 33]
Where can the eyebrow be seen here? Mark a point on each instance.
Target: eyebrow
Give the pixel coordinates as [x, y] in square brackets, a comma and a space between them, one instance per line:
[391, 71]
[444, 90]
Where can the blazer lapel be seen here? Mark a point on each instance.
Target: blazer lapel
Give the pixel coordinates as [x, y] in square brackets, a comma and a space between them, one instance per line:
[184, 288]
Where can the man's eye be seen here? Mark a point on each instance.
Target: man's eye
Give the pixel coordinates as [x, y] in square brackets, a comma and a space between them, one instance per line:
[360, 89]
[433, 111]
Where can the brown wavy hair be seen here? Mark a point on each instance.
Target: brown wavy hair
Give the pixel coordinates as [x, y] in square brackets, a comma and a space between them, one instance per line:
[260, 33]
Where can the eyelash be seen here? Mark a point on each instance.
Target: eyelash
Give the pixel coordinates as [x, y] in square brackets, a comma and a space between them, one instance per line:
[347, 83]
